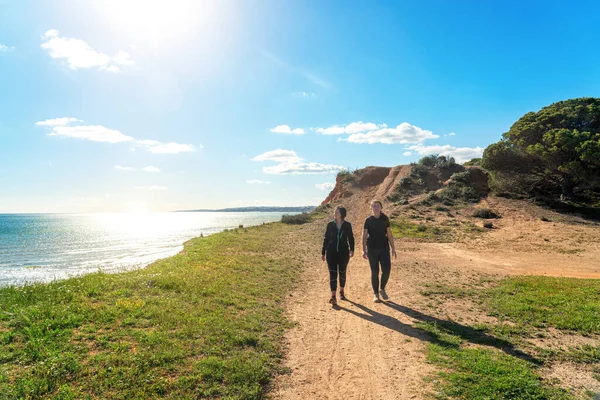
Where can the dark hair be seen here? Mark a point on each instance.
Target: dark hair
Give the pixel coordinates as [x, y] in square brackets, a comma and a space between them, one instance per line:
[377, 201]
[342, 211]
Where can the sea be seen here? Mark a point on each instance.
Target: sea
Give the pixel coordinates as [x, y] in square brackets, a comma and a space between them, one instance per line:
[47, 247]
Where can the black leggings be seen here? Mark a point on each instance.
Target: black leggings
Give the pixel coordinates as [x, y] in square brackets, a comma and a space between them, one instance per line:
[337, 262]
[377, 256]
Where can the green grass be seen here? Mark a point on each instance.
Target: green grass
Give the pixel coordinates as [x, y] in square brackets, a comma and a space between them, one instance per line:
[495, 361]
[563, 303]
[473, 373]
[296, 219]
[446, 291]
[585, 354]
[207, 322]
[404, 229]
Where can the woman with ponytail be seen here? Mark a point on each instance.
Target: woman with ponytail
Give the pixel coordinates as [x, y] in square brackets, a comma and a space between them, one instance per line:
[338, 247]
[376, 241]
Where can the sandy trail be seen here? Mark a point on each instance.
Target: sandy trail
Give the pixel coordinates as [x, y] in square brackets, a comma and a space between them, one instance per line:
[365, 350]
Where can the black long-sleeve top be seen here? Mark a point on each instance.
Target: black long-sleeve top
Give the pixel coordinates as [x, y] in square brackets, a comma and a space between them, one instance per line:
[338, 241]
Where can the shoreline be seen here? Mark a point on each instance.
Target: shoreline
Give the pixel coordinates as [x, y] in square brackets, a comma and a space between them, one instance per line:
[211, 314]
[36, 272]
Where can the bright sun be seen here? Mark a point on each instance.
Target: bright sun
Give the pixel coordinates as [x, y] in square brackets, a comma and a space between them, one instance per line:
[158, 20]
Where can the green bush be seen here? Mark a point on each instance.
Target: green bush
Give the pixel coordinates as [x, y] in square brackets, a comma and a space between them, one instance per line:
[437, 161]
[297, 219]
[473, 162]
[553, 153]
[485, 213]
[461, 177]
[346, 175]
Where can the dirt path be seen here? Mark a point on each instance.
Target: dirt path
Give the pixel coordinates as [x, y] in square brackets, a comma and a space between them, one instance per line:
[365, 350]
[359, 350]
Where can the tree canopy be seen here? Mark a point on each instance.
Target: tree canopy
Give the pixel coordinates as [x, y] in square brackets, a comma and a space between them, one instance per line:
[555, 151]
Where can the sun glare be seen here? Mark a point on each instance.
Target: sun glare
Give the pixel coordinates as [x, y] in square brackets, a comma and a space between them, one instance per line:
[158, 20]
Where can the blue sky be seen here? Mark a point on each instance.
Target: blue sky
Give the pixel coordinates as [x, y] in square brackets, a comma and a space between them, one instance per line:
[164, 105]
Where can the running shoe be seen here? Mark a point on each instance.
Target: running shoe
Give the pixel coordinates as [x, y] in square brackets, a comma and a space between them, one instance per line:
[383, 294]
[342, 297]
[332, 300]
[376, 298]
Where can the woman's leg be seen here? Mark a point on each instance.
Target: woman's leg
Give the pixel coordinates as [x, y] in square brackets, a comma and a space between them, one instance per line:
[332, 264]
[344, 259]
[386, 267]
[374, 264]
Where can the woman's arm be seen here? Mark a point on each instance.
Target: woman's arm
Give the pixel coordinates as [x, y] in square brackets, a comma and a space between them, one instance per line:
[351, 239]
[391, 241]
[364, 242]
[324, 243]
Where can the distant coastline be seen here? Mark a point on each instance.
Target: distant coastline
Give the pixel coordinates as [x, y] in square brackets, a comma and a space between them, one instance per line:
[256, 209]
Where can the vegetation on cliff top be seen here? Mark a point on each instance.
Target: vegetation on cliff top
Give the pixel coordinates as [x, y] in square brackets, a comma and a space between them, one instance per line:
[553, 154]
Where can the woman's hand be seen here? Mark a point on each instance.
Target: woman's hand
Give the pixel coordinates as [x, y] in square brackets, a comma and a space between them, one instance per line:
[351, 254]
[323, 257]
[394, 253]
[365, 255]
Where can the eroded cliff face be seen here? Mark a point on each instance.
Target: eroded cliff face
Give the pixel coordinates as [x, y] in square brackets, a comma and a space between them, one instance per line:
[383, 182]
[347, 185]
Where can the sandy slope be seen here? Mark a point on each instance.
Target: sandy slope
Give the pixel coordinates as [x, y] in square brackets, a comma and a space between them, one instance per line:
[363, 350]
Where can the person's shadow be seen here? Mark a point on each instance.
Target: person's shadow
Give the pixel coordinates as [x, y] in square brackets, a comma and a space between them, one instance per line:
[466, 333]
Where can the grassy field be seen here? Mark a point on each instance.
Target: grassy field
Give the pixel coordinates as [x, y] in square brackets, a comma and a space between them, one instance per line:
[207, 322]
[495, 361]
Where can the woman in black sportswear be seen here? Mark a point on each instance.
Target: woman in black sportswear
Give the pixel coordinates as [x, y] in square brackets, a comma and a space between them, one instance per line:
[377, 239]
[338, 247]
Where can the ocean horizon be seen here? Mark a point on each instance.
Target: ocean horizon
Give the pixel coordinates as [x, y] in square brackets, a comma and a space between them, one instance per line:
[46, 247]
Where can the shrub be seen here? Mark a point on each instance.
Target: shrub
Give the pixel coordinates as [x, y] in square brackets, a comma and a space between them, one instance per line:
[437, 161]
[550, 153]
[473, 162]
[485, 213]
[297, 219]
[346, 175]
[469, 194]
[488, 225]
[461, 177]
[405, 181]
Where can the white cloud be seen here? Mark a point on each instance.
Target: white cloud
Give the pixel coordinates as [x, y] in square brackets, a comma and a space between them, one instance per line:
[403, 133]
[152, 188]
[78, 54]
[148, 142]
[305, 95]
[279, 155]
[121, 168]
[123, 58]
[354, 127]
[151, 168]
[452, 134]
[258, 182]
[460, 154]
[325, 186]
[57, 121]
[287, 130]
[407, 153]
[5, 48]
[301, 168]
[171, 148]
[96, 133]
[290, 163]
